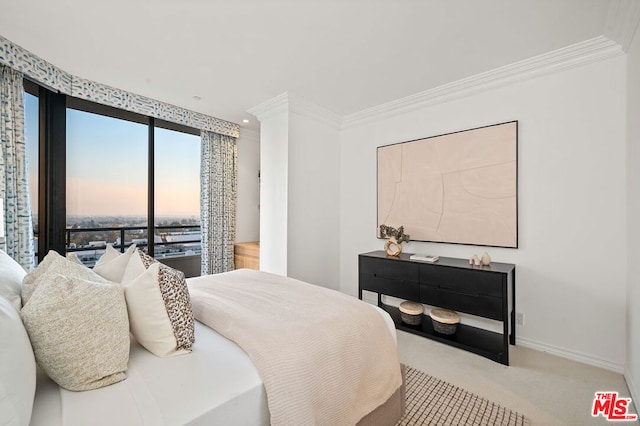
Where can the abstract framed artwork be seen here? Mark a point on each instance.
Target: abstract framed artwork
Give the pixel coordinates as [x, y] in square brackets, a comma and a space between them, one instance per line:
[456, 188]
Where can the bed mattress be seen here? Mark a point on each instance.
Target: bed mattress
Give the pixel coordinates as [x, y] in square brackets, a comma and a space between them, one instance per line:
[216, 384]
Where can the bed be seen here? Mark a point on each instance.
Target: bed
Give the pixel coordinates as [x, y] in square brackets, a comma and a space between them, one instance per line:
[216, 383]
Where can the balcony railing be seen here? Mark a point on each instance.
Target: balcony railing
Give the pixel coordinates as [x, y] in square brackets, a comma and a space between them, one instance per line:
[168, 248]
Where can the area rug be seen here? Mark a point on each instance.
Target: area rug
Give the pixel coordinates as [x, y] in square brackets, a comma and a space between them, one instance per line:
[432, 401]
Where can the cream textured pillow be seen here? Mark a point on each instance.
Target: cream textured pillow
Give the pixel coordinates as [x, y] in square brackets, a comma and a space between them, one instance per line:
[53, 263]
[79, 331]
[17, 368]
[112, 264]
[159, 307]
[11, 276]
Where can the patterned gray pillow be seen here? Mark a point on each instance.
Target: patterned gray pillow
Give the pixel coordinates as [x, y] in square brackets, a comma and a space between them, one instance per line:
[79, 330]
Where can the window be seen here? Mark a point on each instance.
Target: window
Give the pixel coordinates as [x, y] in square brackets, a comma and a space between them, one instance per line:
[101, 184]
[107, 186]
[177, 193]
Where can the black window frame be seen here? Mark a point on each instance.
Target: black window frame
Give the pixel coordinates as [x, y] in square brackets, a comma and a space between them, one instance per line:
[52, 173]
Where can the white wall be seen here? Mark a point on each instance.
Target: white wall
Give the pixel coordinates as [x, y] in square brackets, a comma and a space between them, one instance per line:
[571, 268]
[632, 371]
[248, 209]
[274, 141]
[300, 191]
[314, 194]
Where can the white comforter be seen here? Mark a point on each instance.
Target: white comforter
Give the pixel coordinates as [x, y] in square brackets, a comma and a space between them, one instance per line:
[325, 358]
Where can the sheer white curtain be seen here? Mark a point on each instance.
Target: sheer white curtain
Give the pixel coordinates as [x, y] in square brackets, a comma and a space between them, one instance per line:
[14, 187]
[218, 195]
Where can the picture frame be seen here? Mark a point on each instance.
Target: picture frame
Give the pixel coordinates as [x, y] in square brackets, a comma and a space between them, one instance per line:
[458, 188]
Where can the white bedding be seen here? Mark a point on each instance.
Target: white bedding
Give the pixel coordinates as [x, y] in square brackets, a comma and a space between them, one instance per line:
[325, 358]
[216, 384]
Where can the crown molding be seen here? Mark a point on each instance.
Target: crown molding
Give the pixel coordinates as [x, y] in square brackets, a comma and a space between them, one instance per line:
[292, 103]
[623, 18]
[305, 108]
[588, 51]
[270, 107]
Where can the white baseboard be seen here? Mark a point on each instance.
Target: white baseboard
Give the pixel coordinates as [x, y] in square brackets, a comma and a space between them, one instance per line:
[633, 389]
[572, 355]
[372, 298]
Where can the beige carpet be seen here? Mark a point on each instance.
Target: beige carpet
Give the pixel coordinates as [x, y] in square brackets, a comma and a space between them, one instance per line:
[431, 401]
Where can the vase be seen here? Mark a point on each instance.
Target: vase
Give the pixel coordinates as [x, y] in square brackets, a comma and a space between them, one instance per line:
[393, 247]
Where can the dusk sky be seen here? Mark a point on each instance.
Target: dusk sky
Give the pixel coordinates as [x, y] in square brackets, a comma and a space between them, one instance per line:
[107, 166]
[31, 133]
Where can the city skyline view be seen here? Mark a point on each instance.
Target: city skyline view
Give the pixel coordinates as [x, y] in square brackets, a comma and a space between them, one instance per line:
[107, 185]
[88, 236]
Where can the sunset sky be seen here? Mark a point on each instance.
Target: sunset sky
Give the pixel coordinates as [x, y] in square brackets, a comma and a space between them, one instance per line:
[107, 166]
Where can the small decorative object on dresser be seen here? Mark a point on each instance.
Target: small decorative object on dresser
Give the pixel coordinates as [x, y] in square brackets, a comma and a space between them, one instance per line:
[486, 259]
[424, 257]
[445, 321]
[411, 312]
[396, 238]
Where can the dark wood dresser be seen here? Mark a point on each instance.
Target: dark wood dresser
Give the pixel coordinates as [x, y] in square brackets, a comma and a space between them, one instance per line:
[451, 283]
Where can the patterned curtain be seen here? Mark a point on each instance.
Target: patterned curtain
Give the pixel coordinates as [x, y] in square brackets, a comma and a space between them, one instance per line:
[218, 193]
[14, 187]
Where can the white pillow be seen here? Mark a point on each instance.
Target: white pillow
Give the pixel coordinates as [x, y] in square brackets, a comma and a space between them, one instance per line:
[11, 276]
[53, 263]
[112, 263]
[79, 330]
[159, 307]
[135, 268]
[17, 368]
[74, 258]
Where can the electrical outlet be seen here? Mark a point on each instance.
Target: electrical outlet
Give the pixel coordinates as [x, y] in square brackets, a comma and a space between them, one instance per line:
[519, 318]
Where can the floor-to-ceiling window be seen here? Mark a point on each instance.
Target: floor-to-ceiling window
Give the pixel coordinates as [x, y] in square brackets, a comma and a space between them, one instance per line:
[107, 185]
[177, 194]
[127, 176]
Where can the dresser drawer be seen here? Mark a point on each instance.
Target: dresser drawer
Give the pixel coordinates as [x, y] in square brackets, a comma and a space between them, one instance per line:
[464, 281]
[484, 306]
[398, 288]
[390, 268]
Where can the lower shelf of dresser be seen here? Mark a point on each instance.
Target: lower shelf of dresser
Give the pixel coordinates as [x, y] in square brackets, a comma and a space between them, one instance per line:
[476, 340]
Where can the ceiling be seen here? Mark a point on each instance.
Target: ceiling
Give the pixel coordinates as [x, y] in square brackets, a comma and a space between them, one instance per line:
[344, 55]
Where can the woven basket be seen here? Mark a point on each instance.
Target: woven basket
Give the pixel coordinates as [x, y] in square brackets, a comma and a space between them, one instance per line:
[411, 312]
[444, 321]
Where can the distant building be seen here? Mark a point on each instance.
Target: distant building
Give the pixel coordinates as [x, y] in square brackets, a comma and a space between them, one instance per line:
[89, 257]
[172, 244]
